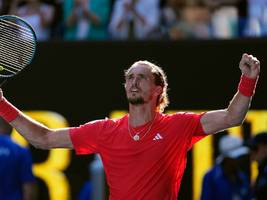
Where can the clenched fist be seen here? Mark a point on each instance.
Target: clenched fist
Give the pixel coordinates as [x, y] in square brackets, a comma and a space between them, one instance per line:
[249, 66]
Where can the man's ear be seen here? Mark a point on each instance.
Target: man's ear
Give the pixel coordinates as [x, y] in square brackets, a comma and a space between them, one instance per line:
[158, 90]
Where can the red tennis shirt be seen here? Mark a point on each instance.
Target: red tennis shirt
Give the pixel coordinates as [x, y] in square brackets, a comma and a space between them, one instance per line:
[148, 169]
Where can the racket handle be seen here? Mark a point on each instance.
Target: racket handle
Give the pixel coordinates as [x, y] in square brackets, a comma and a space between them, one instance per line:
[2, 81]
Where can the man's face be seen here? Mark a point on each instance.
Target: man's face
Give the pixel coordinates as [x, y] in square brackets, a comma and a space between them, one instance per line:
[139, 84]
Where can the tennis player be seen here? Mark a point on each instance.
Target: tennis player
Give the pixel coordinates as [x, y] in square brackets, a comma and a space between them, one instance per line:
[144, 152]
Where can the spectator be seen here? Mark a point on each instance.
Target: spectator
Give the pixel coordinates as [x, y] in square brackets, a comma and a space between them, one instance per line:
[4, 7]
[259, 154]
[38, 14]
[229, 17]
[226, 180]
[57, 25]
[192, 20]
[94, 189]
[86, 19]
[224, 18]
[17, 180]
[257, 18]
[135, 19]
[170, 15]
[86, 191]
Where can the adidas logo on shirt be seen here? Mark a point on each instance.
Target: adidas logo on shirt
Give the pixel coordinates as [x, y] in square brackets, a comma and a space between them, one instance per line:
[158, 137]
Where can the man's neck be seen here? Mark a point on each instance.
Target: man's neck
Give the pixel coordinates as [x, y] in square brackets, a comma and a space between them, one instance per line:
[141, 114]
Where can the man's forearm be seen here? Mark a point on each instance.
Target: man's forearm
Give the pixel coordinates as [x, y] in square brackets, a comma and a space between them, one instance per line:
[238, 109]
[33, 131]
[240, 103]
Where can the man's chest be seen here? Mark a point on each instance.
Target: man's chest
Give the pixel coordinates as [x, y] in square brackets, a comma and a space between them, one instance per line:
[160, 145]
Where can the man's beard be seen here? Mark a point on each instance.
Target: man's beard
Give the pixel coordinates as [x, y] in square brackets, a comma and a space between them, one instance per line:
[136, 101]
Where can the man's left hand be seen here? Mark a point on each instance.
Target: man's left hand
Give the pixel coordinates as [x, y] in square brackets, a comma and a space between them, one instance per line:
[249, 66]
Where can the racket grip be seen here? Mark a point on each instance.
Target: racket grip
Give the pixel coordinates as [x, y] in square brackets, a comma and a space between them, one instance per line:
[7, 111]
[2, 81]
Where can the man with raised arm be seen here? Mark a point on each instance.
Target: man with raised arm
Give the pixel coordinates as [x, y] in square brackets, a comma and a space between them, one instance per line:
[144, 152]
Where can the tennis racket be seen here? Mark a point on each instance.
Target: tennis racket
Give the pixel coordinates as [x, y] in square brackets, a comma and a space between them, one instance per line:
[17, 46]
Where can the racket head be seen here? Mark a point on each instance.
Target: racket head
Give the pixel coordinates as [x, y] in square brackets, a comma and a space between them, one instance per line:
[17, 45]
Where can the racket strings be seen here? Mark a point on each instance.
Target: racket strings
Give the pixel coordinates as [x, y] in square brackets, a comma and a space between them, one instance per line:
[15, 30]
[9, 32]
[9, 68]
[16, 25]
[11, 63]
[17, 46]
[11, 60]
[19, 38]
[6, 46]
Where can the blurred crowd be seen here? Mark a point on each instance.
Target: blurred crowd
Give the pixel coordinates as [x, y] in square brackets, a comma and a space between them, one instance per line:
[231, 176]
[141, 19]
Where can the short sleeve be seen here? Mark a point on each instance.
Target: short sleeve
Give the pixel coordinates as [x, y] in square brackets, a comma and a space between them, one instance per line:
[193, 122]
[85, 137]
[199, 132]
